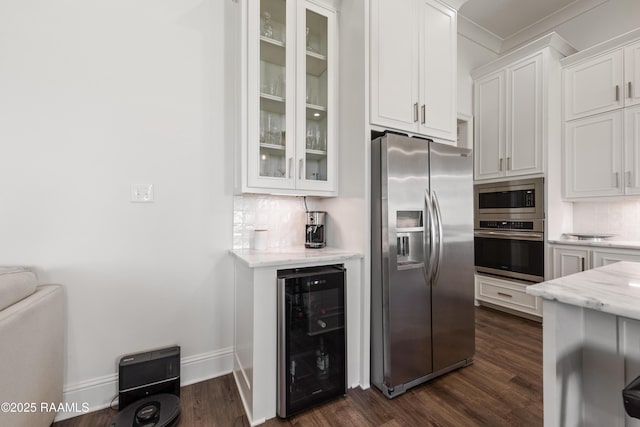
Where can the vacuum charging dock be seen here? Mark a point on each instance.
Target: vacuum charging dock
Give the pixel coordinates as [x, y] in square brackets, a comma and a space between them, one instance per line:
[149, 389]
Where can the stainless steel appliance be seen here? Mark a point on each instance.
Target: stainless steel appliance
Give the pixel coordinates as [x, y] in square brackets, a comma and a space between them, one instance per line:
[509, 229]
[312, 362]
[314, 230]
[422, 290]
[520, 199]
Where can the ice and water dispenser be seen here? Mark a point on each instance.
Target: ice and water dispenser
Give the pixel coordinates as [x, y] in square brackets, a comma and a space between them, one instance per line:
[409, 239]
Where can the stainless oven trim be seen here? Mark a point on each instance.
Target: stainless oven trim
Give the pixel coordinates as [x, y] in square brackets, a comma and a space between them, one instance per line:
[510, 235]
[537, 212]
[509, 274]
[538, 224]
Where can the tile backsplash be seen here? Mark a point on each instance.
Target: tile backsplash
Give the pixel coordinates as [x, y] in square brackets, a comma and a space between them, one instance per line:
[283, 217]
[621, 218]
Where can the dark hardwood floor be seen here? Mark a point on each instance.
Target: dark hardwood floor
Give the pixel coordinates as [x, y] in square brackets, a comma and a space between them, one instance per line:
[502, 388]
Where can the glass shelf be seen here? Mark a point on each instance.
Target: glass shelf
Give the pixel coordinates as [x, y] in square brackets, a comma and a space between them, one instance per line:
[316, 64]
[316, 154]
[272, 104]
[272, 51]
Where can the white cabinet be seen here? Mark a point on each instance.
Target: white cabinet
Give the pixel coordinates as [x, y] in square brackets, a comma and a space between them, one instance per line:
[602, 155]
[602, 83]
[593, 86]
[514, 105]
[413, 67]
[570, 260]
[507, 294]
[509, 120]
[593, 156]
[290, 144]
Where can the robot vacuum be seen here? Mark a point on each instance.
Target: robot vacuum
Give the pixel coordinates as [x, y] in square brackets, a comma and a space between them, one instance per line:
[158, 410]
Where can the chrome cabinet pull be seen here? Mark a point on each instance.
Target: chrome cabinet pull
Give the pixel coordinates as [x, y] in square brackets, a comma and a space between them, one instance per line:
[424, 113]
[617, 93]
[617, 180]
[630, 90]
[508, 163]
[290, 165]
[500, 165]
[300, 169]
[628, 176]
[415, 112]
[582, 263]
[502, 294]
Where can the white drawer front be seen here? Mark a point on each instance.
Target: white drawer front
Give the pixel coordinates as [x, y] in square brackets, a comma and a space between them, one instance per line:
[507, 294]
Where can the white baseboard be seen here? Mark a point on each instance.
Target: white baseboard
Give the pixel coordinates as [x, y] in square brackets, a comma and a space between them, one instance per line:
[97, 393]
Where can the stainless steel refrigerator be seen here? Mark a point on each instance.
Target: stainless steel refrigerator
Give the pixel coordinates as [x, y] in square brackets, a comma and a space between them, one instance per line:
[422, 291]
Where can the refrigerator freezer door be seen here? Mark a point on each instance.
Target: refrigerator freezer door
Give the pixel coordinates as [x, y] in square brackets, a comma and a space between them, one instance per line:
[452, 286]
[405, 170]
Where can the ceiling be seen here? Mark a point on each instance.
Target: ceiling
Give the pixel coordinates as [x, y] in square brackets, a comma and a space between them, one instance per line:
[505, 18]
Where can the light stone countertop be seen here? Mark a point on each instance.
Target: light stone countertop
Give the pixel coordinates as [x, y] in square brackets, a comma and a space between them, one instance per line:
[620, 244]
[613, 288]
[292, 256]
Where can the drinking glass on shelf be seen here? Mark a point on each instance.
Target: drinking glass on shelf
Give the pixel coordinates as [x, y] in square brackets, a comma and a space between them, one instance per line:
[309, 49]
[310, 137]
[262, 126]
[267, 28]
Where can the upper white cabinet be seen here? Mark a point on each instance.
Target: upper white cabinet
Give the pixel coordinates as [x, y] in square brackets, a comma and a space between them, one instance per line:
[508, 106]
[516, 104]
[413, 67]
[602, 83]
[601, 147]
[289, 143]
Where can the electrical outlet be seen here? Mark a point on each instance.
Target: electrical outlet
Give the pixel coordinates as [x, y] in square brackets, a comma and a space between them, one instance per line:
[142, 193]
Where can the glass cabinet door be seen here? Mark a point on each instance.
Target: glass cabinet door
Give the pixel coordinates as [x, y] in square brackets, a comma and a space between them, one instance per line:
[317, 82]
[273, 89]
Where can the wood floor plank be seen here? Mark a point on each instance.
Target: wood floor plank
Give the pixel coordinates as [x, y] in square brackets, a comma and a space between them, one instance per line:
[503, 387]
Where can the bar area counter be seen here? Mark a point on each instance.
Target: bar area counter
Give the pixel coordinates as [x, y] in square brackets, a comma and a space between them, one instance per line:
[591, 344]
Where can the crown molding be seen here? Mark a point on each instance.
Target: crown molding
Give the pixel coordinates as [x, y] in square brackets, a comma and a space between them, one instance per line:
[479, 34]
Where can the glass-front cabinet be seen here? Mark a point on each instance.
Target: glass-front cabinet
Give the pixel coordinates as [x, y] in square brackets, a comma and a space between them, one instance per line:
[291, 99]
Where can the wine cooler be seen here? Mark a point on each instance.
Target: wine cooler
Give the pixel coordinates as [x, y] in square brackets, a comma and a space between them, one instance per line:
[311, 337]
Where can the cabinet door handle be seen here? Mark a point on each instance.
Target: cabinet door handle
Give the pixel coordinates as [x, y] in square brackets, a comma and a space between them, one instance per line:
[617, 179]
[628, 176]
[424, 113]
[500, 165]
[415, 112]
[502, 294]
[300, 168]
[508, 163]
[290, 165]
[582, 263]
[630, 90]
[617, 93]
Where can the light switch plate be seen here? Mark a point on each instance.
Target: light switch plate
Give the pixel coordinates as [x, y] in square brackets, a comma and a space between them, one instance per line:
[142, 193]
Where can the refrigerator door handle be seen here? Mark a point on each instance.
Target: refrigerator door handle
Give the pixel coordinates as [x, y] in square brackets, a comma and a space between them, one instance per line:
[436, 206]
[431, 231]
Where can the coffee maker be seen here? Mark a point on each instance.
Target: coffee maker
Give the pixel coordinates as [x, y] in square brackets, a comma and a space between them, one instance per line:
[314, 230]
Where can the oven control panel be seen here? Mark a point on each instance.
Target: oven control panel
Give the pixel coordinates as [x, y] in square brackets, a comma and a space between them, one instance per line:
[511, 225]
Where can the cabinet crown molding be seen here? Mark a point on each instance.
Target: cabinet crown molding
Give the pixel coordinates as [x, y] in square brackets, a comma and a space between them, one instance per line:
[603, 47]
[552, 40]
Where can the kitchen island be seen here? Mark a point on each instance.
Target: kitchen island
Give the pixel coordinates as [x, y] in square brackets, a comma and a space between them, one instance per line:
[591, 340]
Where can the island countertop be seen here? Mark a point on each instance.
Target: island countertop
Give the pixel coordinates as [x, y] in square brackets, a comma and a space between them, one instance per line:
[613, 288]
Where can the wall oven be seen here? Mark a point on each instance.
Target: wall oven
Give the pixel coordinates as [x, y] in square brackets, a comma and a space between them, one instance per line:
[509, 229]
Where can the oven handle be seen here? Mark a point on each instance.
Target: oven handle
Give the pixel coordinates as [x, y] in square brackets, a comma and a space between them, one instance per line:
[511, 235]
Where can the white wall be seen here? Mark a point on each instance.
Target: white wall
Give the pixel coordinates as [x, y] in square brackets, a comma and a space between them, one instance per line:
[96, 96]
[471, 55]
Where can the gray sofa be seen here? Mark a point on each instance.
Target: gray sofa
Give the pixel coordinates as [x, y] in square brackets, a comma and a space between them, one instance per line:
[31, 348]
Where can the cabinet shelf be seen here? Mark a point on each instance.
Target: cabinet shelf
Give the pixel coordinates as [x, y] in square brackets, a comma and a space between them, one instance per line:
[316, 63]
[316, 112]
[272, 103]
[272, 50]
[273, 147]
[316, 154]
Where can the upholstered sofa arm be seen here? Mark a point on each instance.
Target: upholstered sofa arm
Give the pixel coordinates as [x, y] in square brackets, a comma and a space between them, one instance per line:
[32, 356]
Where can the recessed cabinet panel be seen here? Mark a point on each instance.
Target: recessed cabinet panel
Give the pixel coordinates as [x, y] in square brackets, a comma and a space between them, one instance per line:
[593, 86]
[569, 261]
[632, 150]
[592, 151]
[489, 136]
[632, 74]
[394, 64]
[524, 130]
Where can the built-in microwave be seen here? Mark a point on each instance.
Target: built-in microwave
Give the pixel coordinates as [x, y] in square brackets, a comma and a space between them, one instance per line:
[519, 199]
